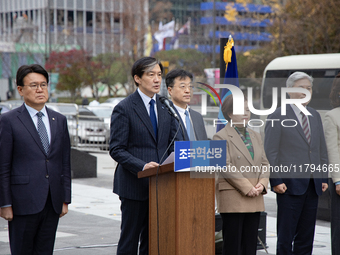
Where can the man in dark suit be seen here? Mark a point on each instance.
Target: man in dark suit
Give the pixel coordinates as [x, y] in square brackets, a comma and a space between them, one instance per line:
[301, 149]
[141, 131]
[179, 84]
[35, 175]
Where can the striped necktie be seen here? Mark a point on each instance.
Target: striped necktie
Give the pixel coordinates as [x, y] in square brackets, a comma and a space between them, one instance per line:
[305, 126]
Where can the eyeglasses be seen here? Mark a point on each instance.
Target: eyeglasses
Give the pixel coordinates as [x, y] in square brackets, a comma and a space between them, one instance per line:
[35, 86]
[184, 87]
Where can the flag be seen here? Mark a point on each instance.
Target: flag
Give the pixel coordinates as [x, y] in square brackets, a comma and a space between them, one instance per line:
[230, 77]
[164, 31]
[184, 30]
[148, 42]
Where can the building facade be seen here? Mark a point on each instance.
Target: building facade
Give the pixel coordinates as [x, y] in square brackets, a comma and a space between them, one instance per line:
[31, 29]
[247, 23]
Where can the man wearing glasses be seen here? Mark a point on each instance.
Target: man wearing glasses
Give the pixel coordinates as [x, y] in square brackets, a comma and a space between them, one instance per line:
[35, 174]
[179, 84]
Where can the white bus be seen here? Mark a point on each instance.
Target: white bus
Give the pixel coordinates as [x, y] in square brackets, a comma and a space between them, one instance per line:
[322, 67]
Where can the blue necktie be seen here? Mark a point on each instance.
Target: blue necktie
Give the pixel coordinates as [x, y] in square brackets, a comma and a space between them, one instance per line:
[43, 133]
[153, 116]
[190, 129]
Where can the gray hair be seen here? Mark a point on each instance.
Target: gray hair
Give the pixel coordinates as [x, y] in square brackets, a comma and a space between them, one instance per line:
[294, 77]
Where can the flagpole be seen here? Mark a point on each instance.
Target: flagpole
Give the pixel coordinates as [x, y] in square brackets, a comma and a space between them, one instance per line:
[213, 36]
[223, 42]
[189, 32]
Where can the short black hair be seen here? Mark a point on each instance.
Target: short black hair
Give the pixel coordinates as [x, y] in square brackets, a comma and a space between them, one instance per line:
[227, 106]
[144, 65]
[173, 74]
[27, 69]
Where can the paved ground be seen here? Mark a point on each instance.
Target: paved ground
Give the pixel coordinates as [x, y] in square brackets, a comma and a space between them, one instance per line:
[92, 225]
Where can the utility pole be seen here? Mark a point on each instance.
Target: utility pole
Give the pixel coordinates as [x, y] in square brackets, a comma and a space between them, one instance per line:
[48, 31]
[213, 36]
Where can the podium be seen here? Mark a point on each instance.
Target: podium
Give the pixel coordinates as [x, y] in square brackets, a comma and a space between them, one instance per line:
[186, 212]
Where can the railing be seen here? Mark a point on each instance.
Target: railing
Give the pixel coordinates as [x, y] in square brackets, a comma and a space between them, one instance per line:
[88, 133]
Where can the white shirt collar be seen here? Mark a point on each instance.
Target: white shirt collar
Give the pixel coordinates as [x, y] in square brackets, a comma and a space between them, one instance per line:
[297, 110]
[33, 111]
[181, 110]
[146, 99]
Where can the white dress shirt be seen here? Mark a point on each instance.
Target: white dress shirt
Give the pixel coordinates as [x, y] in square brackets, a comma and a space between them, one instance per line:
[33, 113]
[146, 99]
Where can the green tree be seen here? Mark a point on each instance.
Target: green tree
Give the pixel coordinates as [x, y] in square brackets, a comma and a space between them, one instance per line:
[114, 69]
[189, 59]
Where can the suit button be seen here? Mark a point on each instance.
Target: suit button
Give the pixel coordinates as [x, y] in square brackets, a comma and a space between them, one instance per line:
[47, 176]
[238, 157]
[47, 160]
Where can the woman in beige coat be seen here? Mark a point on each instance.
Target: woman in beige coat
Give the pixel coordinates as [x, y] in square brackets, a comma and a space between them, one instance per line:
[332, 136]
[240, 189]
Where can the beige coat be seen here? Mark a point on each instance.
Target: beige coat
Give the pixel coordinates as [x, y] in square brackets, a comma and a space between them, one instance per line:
[331, 127]
[232, 187]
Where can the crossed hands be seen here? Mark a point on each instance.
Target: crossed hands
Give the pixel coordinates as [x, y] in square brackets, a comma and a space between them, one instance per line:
[337, 189]
[282, 188]
[7, 212]
[255, 191]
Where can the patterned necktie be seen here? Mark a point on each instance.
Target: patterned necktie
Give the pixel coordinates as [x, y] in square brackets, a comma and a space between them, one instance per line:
[43, 133]
[190, 129]
[153, 116]
[247, 141]
[305, 127]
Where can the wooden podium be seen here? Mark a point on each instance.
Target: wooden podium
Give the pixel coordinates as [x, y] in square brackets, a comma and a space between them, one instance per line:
[186, 213]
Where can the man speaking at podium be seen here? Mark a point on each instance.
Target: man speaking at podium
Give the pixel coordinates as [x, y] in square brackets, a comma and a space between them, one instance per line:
[141, 130]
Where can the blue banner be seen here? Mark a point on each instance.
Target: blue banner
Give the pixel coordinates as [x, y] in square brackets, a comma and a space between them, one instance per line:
[199, 153]
[230, 77]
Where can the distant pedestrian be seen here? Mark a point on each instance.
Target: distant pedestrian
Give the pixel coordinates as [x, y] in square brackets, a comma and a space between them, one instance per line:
[85, 101]
[9, 95]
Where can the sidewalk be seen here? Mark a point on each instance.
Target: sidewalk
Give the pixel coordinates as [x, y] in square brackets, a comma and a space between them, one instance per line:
[92, 225]
[322, 243]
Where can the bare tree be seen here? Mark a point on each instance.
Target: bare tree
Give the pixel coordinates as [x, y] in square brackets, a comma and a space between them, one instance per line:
[307, 27]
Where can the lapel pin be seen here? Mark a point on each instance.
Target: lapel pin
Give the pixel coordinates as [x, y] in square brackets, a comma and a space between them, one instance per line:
[53, 119]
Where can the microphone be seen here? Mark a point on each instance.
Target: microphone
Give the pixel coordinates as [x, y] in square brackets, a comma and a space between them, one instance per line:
[166, 102]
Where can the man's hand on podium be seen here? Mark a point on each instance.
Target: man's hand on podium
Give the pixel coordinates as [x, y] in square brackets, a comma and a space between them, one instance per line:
[150, 165]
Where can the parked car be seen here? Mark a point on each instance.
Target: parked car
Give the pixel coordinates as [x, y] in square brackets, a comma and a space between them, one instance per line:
[84, 126]
[4, 108]
[102, 111]
[12, 104]
[112, 101]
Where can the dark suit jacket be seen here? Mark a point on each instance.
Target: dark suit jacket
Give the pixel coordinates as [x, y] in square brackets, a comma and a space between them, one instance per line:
[133, 144]
[288, 146]
[26, 172]
[198, 123]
